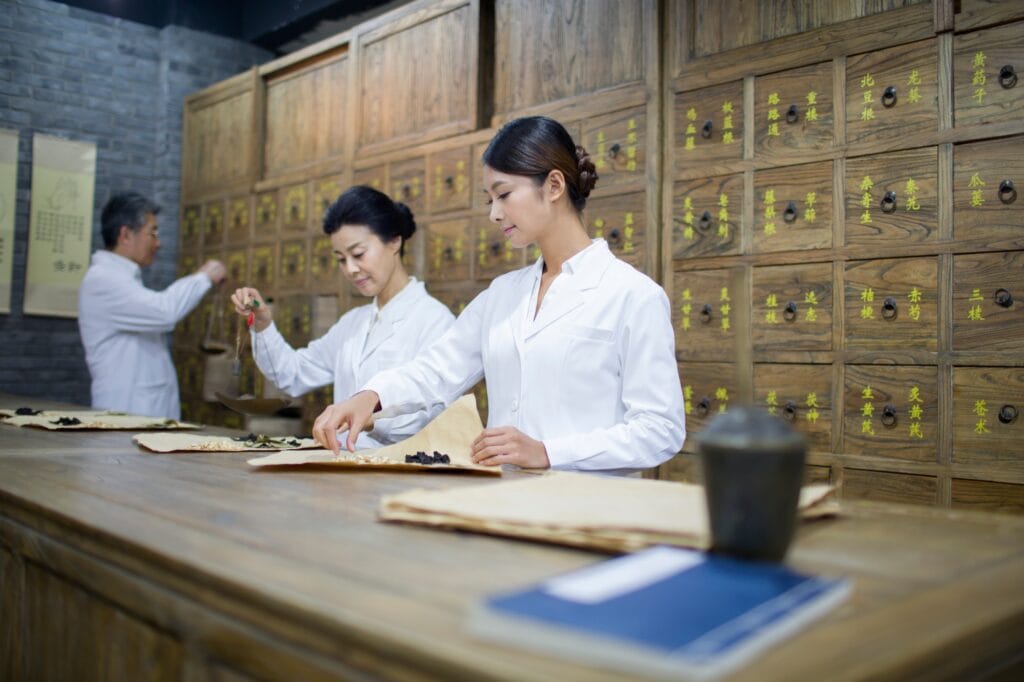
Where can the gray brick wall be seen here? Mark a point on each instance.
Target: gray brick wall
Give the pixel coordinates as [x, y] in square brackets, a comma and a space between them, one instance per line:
[86, 76]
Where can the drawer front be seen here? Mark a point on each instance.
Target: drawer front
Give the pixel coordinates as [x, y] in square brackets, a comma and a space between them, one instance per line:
[891, 304]
[792, 308]
[449, 250]
[892, 93]
[892, 198]
[448, 179]
[708, 389]
[891, 412]
[616, 144]
[213, 225]
[987, 177]
[800, 394]
[988, 302]
[373, 176]
[323, 264]
[188, 263]
[988, 417]
[408, 182]
[793, 111]
[237, 263]
[702, 315]
[295, 202]
[191, 227]
[263, 267]
[495, 254]
[239, 229]
[478, 196]
[815, 473]
[706, 217]
[709, 125]
[989, 496]
[189, 364]
[292, 264]
[456, 297]
[793, 208]
[622, 222]
[266, 215]
[987, 68]
[325, 192]
[293, 316]
[884, 486]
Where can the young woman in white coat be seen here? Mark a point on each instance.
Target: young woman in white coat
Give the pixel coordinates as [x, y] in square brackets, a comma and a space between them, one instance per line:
[368, 232]
[577, 350]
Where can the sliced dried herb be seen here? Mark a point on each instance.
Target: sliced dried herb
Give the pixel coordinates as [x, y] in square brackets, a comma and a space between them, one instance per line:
[26, 412]
[258, 440]
[67, 421]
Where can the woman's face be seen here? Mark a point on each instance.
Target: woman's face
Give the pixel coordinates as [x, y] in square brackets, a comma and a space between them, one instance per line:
[518, 206]
[367, 262]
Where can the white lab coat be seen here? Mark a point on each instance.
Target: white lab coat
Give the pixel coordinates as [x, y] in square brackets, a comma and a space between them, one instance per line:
[593, 376]
[124, 328]
[349, 354]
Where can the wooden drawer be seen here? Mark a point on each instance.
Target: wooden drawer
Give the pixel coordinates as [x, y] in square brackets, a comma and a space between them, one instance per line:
[236, 261]
[891, 412]
[448, 180]
[792, 308]
[478, 197]
[989, 496]
[702, 315]
[266, 214]
[192, 327]
[988, 418]
[988, 302]
[707, 215]
[892, 198]
[191, 228]
[325, 192]
[622, 222]
[616, 143]
[495, 254]
[800, 394]
[239, 227]
[293, 316]
[189, 364]
[793, 111]
[814, 473]
[408, 184]
[373, 176]
[884, 486]
[188, 263]
[323, 264]
[326, 311]
[295, 205]
[892, 93]
[891, 304]
[213, 225]
[456, 297]
[450, 250]
[974, 13]
[986, 68]
[793, 208]
[709, 125]
[987, 176]
[263, 267]
[708, 389]
[292, 264]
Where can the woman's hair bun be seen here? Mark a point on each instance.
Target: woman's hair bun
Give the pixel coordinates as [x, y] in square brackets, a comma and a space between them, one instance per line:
[408, 227]
[587, 171]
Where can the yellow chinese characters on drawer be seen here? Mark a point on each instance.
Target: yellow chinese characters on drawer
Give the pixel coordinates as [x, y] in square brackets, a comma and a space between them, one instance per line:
[709, 125]
[987, 68]
[448, 180]
[891, 304]
[891, 412]
[706, 217]
[793, 208]
[988, 303]
[987, 179]
[450, 250]
[616, 144]
[793, 112]
[800, 394]
[622, 222]
[708, 389]
[792, 308]
[703, 315]
[892, 199]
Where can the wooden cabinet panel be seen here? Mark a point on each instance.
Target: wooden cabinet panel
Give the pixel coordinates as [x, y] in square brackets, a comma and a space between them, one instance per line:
[986, 68]
[622, 222]
[892, 93]
[219, 129]
[323, 264]
[702, 315]
[239, 225]
[708, 389]
[12, 589]
[191, 228]
[792, 308]
[292, 264]
[883, 486]
[295, 208]
[189, 365]
[448, 180]
[974, 13]
[237, 263]
[891, 304]
[814, 473]
[617, 145]
[266, 214]
[988, 302]
[325, 192]
[793, 112]
[456, 297]
[213, 224]
[793, 208]
[187, 264]
[293, 315]
[891, 412]
[263, 267]
[987, 177]
[495, 254]
[375, 177]
[408, 184]
[706, 217]
[988, 418]
[450, 250]
[709, 125]
[990, 496]
[800, 394]
[892, 199]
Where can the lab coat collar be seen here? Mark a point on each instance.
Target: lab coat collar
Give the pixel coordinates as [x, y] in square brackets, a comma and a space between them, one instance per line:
[582, 272]
[108, 259]
[393, 312]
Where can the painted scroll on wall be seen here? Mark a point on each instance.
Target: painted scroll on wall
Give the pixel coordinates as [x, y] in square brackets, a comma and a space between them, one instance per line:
[8, 196]
[60, 224]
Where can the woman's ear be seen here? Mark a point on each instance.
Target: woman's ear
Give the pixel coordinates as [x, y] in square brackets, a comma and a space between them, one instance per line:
[554, 185]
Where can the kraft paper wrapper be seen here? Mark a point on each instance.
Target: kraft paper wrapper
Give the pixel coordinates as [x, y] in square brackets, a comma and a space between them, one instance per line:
[95, 420]
[607, 513]
[190, 442]
[452, 432]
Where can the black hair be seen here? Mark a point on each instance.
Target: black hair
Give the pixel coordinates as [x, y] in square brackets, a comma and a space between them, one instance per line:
[362, 205]
[125, 209]
[536, 145]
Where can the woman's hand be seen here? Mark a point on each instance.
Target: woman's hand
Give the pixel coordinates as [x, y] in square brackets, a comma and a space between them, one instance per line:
[354, 414]
[509, 445]
[248, 300]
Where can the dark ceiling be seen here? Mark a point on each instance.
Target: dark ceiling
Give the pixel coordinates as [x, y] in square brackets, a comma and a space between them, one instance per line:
[271, 24]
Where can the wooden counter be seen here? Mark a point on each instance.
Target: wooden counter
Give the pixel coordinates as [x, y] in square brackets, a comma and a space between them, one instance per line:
[120, 564]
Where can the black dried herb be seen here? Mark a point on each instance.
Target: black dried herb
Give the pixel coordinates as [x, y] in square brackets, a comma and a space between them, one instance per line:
[67, 421]
[26, 412]
[258, 440]
[423, 458]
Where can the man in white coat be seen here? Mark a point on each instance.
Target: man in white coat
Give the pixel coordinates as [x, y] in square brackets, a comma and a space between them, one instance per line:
[124, 325]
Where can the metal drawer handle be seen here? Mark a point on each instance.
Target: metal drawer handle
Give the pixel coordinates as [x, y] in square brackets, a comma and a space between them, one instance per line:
[265, 215]
[495, 248]
[1007, 76]
[1007, 192]
[792, 114]
[703, 407]
[789, 215]
[406, 190]
[449, 253]
[449, 181]
[705, 130]
[325, 204]
[615, 236]
[789, 312]
[889, 97]
[889, 308]
[292, 267]
[704, 224]
[614, 150]
[1003, 298]
[789, 411]
[889, 416]
[888, 203]
[1007, 414]
[294, 211]
[705, 313]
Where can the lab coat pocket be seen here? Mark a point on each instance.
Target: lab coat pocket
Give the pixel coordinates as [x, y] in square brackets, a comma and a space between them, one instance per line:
[591, 358]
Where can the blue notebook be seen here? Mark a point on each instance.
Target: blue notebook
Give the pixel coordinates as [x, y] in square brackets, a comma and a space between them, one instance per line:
[662, 612]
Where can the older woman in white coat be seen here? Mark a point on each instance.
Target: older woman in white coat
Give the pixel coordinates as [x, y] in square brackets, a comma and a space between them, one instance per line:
[577, 350]
[368, 232]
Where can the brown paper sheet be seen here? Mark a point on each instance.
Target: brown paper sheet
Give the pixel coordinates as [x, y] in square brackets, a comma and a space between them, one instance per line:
[191, 442]
[94, 420]
[452, 432]
[584, 510]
